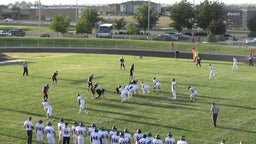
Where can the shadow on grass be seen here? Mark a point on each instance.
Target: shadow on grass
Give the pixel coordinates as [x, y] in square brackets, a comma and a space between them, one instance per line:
[23, 112]
[15, 137]
[239, 106]
[236, 129]
[120, 113]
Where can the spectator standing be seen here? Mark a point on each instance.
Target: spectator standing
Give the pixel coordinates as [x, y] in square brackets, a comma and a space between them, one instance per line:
[28, 125]
[25, 68]
[214, 114]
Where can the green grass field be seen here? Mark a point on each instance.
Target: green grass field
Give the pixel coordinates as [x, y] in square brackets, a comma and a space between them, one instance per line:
[233, 92]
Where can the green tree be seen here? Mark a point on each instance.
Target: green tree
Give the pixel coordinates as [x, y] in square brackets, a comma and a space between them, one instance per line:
[209, 11]
[119, 23]
[141, 17]
[133, 28]
[182, 15]
[60, 24]
[251, 24]
[217, 27]
[87, 21]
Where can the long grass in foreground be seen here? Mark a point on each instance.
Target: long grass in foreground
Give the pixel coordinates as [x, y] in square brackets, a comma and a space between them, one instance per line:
[233, 92]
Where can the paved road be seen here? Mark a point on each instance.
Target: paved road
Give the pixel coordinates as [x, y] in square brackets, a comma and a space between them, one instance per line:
[184, 55]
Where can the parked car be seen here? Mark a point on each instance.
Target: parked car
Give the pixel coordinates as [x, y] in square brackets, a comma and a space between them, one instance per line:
[8, 20]
[17, 32]
[168, 36]
[4, 33]
[182, 36]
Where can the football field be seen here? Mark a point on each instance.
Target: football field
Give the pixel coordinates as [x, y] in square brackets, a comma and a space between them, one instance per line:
[156, 112]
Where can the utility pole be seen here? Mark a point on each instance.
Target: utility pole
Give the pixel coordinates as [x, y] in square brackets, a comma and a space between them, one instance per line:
[148, 16]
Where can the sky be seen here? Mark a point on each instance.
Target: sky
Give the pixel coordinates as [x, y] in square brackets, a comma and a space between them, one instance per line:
[100, 2]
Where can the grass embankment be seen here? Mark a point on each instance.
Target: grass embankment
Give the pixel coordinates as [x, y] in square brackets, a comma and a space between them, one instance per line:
[119, 43]
[233, 92]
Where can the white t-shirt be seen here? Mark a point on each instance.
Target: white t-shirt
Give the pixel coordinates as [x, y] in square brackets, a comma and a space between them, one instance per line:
[143, 141]
[115, 139]
[66, 132]
[123, 140]
[137, 136]
[60, 126]
[28, 125]
[104, 137]
[80, 132]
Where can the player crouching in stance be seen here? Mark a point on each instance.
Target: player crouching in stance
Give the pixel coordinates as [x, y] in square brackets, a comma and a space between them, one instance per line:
[145, 87]
[81, 104]
[193, 93]
[156, 84]
[133, 86]
[48, 109]
[124, 92]
[100, 92]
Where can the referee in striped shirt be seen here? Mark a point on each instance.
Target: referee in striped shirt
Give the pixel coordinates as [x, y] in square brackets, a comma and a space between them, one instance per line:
[214, 114]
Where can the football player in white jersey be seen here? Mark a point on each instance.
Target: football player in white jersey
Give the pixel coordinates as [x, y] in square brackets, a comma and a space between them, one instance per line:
[124, 92]
[112, 132]
[137, 136]
[182, 140]
[91, 129]
[66, 134]
[39, 132]
[169, 139]
[150, 138]
[235, 67]
[50, 133]
[145, 87]
[81, 101]
[156, 84]
[73, 132]
[193, 93]
[127, 135]
[143, 140]
[60, 127]
[157, 140]
[212, 72]
[174, 87]
[104, 134]
[81, 133]
[115, 138]
[96, 137]
[123, 139]
[48, 109]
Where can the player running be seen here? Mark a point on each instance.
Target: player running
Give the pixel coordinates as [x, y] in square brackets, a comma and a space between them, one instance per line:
[81, 101]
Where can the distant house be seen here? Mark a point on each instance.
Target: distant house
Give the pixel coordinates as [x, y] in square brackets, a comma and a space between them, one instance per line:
[130, 7]
[238, 18]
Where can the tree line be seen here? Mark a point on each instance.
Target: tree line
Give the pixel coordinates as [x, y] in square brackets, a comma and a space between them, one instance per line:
[210, 16]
